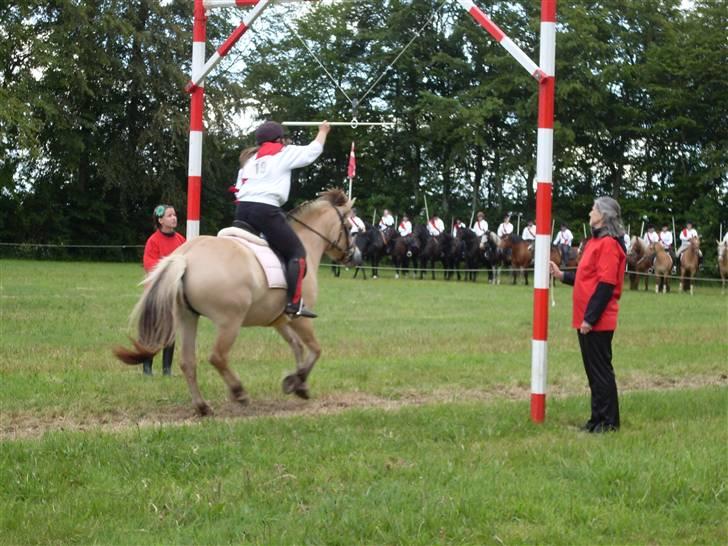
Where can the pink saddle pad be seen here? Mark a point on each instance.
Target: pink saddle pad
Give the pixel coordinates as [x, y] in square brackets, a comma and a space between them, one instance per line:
[267, 259]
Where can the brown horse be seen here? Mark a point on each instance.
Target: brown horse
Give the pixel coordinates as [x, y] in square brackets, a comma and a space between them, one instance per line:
[639, 261]
[520, 254]
[574, 257]
[723, 264]
[689, 260]
[662, 267]
[222, 280]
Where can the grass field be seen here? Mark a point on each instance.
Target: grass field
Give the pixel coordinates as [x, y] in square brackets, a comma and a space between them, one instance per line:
[418, 431]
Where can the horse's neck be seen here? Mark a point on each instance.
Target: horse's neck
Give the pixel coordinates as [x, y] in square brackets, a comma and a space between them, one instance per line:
[314, 244]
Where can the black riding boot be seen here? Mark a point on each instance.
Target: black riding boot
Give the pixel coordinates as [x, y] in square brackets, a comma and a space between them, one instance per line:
[295, 271]
[167, 356]
[147, 369]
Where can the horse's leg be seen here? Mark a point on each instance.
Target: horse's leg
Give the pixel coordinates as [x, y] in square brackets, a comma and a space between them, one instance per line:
[226, 335]
[188, 360]
[692, 283]
[304, 329]
[525, 275]
[293, 381]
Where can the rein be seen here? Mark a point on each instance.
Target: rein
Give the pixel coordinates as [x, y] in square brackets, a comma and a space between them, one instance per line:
[332, 244]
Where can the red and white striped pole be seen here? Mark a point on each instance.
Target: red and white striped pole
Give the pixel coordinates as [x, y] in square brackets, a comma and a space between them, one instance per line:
[500, 37]
[544, 187]
[223, 50]
[197, 101]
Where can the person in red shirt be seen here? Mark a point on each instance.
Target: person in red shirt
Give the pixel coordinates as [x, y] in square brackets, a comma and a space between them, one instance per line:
[597, 287]
[161, 243]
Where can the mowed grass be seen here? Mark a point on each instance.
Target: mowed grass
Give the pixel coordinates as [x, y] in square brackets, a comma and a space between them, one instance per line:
[467, 466]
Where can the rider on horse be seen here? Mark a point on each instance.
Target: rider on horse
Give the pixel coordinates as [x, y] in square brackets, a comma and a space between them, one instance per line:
[264, 183]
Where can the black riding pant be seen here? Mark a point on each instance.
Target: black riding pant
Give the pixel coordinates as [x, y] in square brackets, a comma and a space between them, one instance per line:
[272, 223]
[596, 352]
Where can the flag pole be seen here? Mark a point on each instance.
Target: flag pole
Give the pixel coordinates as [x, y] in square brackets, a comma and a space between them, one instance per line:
[427, 212]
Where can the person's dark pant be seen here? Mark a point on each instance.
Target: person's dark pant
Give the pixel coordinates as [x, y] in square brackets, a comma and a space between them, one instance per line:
[167, 357]
[596, 352]
[565, 251]
[272, 223]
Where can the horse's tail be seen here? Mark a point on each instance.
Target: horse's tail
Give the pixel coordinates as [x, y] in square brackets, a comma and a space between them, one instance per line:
[156, 311]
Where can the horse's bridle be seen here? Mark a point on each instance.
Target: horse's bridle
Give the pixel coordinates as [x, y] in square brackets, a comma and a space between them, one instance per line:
[350, 249]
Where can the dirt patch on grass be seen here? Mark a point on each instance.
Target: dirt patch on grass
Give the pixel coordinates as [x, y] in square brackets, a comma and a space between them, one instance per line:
[25, 425]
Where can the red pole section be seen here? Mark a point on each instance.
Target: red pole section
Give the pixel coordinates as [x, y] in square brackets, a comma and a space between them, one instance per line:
[227, 45]
[197, 100]
[544, 190]
[500, 37]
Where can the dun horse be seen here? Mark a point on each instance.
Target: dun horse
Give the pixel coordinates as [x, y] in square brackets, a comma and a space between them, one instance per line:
[689, 260]
[218, 278]
[662, 266]
[723, 264]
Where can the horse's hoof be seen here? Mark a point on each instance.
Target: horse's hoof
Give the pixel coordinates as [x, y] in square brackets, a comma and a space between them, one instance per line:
[239, 395]
[302, 392]
[203, 410]
[291, 384]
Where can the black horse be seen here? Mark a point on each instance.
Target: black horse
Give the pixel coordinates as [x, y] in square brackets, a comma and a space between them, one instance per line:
[471, 254]
[434, 249]
[489, 250]
[373, 245]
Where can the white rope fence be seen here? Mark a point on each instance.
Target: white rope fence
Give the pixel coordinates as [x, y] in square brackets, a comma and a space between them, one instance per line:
[366, 267]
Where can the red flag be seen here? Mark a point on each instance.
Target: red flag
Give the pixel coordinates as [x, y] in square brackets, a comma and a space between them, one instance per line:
[352, 162]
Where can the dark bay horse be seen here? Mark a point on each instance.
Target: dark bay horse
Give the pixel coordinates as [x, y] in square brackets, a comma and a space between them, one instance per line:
[520, 255]
[639, 261]
[405, 253]
[489, 249]
[222, 280]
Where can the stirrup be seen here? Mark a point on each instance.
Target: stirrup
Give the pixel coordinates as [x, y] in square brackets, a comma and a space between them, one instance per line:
[298, 310]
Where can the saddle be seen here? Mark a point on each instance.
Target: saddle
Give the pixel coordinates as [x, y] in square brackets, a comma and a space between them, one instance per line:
[270, 261]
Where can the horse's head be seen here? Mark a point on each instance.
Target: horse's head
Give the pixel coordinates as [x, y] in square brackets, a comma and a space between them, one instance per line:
[328, 218]
[695, 242]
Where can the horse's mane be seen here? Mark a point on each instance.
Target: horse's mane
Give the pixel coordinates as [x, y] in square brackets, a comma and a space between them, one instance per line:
[334, 196]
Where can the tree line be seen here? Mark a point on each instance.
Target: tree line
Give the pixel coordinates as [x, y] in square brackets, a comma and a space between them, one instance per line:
[94, 128]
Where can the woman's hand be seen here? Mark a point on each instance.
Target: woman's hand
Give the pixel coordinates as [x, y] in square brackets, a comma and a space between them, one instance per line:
[323, 131]
[585, 327]
[555, 271]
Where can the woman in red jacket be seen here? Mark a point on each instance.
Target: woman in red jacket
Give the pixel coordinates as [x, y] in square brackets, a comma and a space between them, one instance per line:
[597, 288]
[161, 243]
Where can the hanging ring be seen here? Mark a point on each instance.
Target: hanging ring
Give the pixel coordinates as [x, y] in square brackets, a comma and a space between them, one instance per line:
[354, 123]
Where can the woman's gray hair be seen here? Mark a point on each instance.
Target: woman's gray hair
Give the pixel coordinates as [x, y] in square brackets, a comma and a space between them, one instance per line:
[611, 215]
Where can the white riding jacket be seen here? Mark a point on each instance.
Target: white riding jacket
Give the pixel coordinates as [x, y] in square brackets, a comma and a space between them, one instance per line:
[666, 239]
[267, 179]
[564, 237]
[405, 228]
[506, 228]
[435, 227]
[480, 227]
[529, 234]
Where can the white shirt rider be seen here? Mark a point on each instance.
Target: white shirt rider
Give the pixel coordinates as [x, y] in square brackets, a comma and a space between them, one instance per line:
[405, 227]
[459, 224]
[666, 238]
[506, 228]
[435, 226]
[386, 221]
[357, 224]
[529, 232]
[651, 237]
[267, 179]
[564, 237]
[480, 227]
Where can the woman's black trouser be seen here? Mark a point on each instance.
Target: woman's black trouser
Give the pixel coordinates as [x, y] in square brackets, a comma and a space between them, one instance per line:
[596, 352]
[271, 222]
